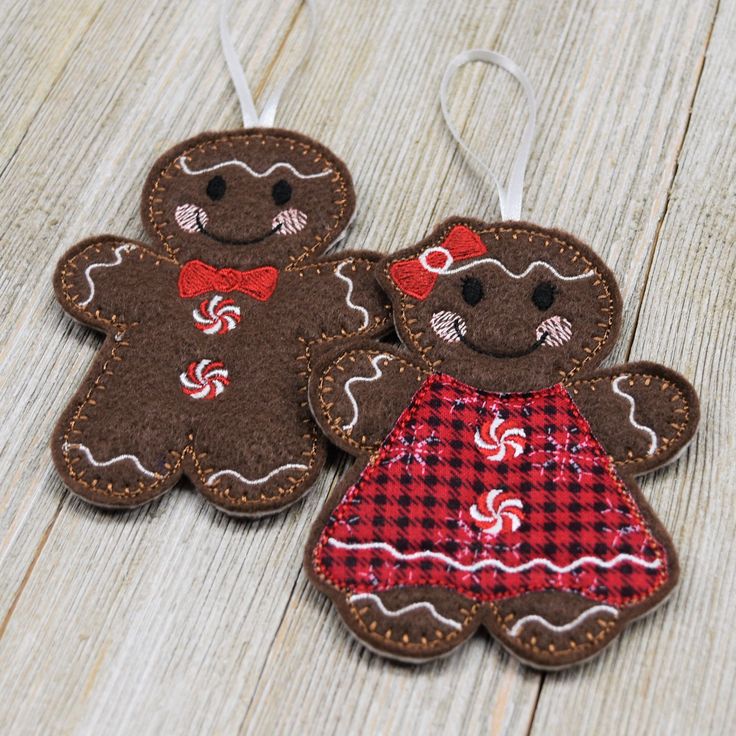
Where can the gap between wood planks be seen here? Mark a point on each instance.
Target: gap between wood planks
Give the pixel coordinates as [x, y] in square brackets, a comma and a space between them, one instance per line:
[650, 260]
[675, 168]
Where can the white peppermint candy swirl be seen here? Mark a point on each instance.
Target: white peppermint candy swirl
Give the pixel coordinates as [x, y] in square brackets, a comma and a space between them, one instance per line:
[487, 437]
[204, 379]
[216, 316]
[290, 221]
[498, 511]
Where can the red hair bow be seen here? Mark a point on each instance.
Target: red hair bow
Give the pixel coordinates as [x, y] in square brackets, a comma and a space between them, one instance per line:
[417, 276]
[198, 277]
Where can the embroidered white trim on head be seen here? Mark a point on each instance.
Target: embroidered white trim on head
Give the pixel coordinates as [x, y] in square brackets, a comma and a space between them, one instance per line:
[349, 298]
[125, 248]
[447, 267]
[258, 174]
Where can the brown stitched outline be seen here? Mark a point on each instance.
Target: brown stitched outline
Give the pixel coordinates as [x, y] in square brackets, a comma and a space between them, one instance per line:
[71, 263]
[212, 144]
[422, 646]
[334, 425]
[548, 239]
[680, 428]
[188, 449]
[593, 643]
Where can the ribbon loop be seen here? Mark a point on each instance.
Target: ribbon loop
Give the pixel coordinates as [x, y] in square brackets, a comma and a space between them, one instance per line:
[251, 118]
[510, 197]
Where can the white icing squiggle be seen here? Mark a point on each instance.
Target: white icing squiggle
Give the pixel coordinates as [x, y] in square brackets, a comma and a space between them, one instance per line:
[349, 298]
[632, 408]
[377, 373]
[419, 605]
[112, 461]
[519, 625]
[255, 481]
[497, 564]
[447, 266]
[126, 248]
[259, 175]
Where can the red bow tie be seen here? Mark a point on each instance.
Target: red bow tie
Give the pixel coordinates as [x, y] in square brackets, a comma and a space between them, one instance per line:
[197, 277]
[417, 276]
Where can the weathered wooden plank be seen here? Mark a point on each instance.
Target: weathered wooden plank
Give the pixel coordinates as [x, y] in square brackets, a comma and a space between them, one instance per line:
[175, 618]
[674, 672]
[36, 41]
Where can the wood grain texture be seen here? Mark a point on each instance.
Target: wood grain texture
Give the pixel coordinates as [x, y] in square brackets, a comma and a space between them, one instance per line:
[176, 619]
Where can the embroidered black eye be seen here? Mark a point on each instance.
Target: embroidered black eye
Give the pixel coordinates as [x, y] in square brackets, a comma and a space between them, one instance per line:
[281, 191]
[472, 290]
[543, 295]
[216, 188]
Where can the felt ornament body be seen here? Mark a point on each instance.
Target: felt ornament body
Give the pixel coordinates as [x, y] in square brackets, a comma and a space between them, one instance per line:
[212, 326]
[495, 477]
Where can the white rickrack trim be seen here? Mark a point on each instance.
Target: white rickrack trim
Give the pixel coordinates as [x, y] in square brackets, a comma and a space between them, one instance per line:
[259, 175]
[519, 625]
[497, 564]
[125, 248]
[377, 373]
[255, 481]
[632, 408]
[418, 605]
[349, 298]
[446, 267]
[112, 461]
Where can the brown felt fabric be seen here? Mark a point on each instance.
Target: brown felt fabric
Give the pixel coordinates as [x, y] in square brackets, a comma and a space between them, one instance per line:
[130, 431]
[380, 403]
[504, 319]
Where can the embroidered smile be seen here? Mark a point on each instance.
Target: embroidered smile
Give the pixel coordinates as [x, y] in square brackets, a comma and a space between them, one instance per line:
[496, 354]
[249, 241]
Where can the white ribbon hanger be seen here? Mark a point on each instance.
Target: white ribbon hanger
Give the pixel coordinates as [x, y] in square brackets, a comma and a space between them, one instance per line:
[510, 197]
[251, 118]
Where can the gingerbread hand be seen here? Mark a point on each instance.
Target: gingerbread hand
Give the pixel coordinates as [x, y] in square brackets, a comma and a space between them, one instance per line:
[642, 413]
[354, 304]
[107, 281]
[358, 394]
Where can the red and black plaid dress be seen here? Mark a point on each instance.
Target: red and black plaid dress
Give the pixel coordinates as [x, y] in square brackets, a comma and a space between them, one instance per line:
[491, 495]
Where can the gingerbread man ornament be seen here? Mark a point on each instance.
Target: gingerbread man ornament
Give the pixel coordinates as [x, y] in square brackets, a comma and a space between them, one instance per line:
[211, 328]
[496, 462]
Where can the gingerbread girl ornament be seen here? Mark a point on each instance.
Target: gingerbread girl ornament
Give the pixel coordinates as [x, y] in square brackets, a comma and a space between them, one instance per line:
[495, 480]
[211, 327]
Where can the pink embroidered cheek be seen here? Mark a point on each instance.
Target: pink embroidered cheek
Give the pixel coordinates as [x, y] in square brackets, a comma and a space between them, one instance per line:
[190, 218]
[448, 325]
[556, 331]
[289, 221]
